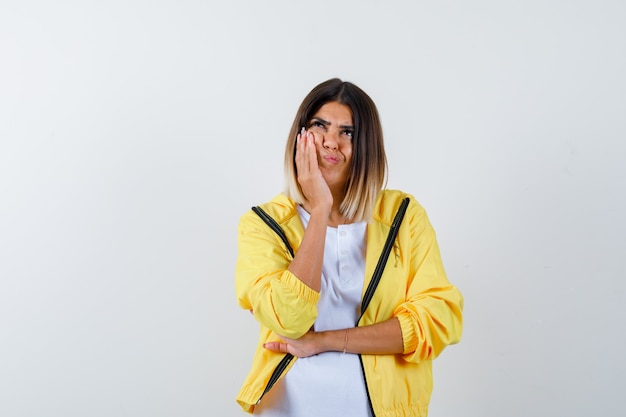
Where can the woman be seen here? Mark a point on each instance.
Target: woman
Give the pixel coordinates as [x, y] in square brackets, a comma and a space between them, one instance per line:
[311, 359]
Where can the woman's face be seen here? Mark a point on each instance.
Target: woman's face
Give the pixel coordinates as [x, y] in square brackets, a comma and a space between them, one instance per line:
[333, 128]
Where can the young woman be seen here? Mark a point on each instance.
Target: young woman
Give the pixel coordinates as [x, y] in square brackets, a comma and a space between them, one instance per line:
[319, 353]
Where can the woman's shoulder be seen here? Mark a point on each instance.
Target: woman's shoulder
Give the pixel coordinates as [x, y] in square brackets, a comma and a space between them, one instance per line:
[389, 202]
[281, 208]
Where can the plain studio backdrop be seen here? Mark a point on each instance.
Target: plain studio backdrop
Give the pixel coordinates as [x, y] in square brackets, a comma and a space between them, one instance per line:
[134, 134]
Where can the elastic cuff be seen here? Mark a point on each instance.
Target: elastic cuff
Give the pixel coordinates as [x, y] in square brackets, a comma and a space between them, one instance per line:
[300, 288]
[409, 335]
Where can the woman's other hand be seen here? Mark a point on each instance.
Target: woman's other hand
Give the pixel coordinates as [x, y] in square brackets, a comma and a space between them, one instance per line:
[307, 345]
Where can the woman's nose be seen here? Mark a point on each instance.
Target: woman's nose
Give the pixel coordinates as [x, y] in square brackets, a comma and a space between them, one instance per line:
[330, 141]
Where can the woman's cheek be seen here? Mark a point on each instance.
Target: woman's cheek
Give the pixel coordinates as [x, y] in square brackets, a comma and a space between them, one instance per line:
[317, 140]
[316, 137]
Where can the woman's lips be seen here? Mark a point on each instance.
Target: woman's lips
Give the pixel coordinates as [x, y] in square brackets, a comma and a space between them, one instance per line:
[332, 159]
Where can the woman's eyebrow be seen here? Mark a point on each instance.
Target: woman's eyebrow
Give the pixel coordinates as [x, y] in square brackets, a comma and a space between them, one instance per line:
[322, 121]
[327, 123]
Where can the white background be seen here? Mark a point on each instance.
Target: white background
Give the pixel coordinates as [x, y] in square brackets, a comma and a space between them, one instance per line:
[133, 135]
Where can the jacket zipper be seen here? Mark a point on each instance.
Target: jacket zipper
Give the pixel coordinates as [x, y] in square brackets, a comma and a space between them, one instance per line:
[367, 389]
[278, 371]
[380, 266]
[274, 226]
[286, 360]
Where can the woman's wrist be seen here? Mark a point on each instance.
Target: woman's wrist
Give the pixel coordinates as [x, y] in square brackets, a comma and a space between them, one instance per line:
[334, 341]
[322, 211]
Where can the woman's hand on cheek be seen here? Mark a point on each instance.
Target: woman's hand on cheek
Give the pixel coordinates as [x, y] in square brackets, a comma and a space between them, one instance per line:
[310, 177]
[307, 345]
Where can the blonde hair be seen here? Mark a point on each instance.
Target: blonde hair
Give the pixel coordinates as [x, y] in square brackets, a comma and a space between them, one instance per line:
[368, 173]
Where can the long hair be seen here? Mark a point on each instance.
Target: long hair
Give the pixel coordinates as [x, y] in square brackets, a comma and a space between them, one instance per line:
[368, 172]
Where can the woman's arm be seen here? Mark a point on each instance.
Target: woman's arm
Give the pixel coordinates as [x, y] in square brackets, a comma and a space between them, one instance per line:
[431, 317]
[283, 292]
[383, 338]
[307, 264]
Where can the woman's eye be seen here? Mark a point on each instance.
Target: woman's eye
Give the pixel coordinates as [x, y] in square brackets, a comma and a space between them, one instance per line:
[349, 133]
[315, 123]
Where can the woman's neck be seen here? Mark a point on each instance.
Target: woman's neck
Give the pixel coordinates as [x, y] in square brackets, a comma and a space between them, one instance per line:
[335, 217]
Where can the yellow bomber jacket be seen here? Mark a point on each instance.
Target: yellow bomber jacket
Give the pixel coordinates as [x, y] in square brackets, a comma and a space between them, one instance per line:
[414, 288]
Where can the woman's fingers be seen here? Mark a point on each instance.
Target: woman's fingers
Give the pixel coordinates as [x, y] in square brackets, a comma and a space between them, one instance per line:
[303, 347]
[306, 154]
[302, 160]
[311, 151]
[276, 346]
[310, 177]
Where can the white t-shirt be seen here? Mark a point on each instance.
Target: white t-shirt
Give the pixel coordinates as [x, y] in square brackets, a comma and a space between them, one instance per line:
[331, 383]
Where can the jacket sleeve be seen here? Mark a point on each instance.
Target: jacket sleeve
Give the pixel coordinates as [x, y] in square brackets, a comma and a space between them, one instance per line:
[431, 316]
[263, 284]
